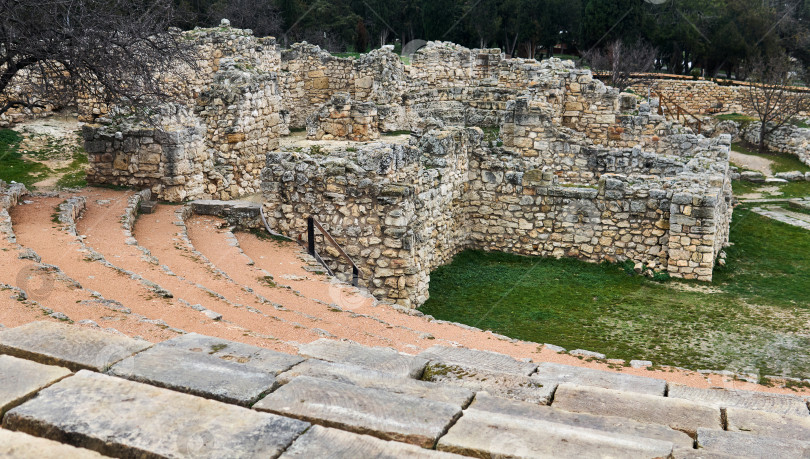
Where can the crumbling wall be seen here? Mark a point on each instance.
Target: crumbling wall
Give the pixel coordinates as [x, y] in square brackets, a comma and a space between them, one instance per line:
[344, 119]
[787, 139]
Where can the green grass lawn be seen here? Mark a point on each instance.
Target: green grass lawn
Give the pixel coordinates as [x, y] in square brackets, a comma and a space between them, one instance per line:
[27, 170]
[782, 162]
[742, 119]
[786, 191]
[753, 317]
[15, 168]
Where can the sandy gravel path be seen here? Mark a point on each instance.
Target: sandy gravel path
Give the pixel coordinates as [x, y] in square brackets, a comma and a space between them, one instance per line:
[754, 163]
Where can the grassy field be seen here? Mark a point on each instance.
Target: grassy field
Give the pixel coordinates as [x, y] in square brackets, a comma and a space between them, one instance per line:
[28, 167]
[785, 191]
[13, 167]
[754, 317]
[782, 162]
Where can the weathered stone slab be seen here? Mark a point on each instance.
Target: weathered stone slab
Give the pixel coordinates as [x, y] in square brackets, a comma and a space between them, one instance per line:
[362, 410]
[483, 360]
[21, 379]
[376, 358]
[337, 444]
[557, 373]
[768, 424]
[75, 348]
[746, 445]
[507, 385]
[196, 373]
[364, 377]
[23, 446]
[623, 426]
[726, 398]
[252, 356]
[116, 417]
[691, 453]
[678, 414]
[487, 434]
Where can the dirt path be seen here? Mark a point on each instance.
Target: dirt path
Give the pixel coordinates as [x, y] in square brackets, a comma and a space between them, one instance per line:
[754, 163]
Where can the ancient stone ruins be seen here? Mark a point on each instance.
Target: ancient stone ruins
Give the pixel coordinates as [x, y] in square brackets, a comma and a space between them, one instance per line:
[406, 165]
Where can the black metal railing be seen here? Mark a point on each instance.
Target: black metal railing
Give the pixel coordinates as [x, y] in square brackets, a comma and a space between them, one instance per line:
[312, 224]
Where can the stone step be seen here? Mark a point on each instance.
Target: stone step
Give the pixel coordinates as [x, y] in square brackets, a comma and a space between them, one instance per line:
[197, 373]
[258, 358]
[726, 398]
[487, 434]
[746, 445]
[116, 417]
[480, 360]
[362, 410]
[507, 385]
[676, 413]
[75, 348]
[557, 373]
[614, 424]
[337, 444]
[363, 377]
[20, 379]
[18, 445]
[376, 358]
[768, 424]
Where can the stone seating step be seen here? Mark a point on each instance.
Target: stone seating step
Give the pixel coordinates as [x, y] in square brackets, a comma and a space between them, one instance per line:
[745, 445]
[196, 373]
[376, 358]
[362, 410]
[116, 417]
[364, 377]
[258, 358]
[726, 398]
[507, 385]
[481, 360]
[557, 373]
[18, 445]
[75, 348]
[768, 424]
[676, 413]
[614, 424]
[21, 379]
[487, 434]
[337, 444]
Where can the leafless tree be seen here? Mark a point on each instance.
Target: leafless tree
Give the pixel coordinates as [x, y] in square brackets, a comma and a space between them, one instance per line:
[51, 50]
[261, 16]
[623, 62]
[773, 97]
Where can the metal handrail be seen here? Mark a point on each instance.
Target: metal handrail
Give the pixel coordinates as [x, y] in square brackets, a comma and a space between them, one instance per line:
[310, 246]
[681, 111]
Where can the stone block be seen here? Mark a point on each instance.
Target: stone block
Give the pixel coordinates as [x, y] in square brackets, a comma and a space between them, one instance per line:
[649, 409]
[510, 386]
[557, 373]
[622, 426]
[21, 379]
[336, 444]
[481, 360]
[727, 398]
[737, 444]
[196, 373]
[364, 377]
[68, 346]
[766, 424]
[376, 358]
[488, 434]
[23, 446]
[362, 410]
[116, 417]
[147, 207]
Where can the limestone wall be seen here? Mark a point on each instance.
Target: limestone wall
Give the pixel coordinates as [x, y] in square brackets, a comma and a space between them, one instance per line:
[787, 139]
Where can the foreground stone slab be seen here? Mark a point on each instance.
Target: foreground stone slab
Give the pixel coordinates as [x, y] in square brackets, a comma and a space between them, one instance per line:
[746, 445]
[487, 434]
[364, 377]
[68, 346]
[768, 424]
[555, 372]
[482, 360]
[725, 398]
[271, 362]
[377, 358]
[21, 379]
[622, 426]
[23, 446]
[678, 414]
[511, 386]
[337, 444]
[116, 417]
[362, 410]
[196, 373]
